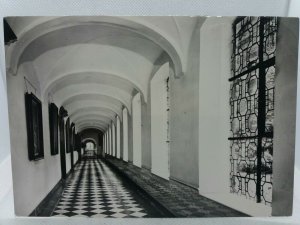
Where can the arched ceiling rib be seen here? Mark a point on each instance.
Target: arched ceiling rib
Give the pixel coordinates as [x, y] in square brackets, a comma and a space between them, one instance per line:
[93, 97]
[92, 89]
[58, 82]
[89, 124]
[100, 99]
[86, 114]
[86, 104]
[83, 128]
[92, 122]
[93, 109]
[92, 118]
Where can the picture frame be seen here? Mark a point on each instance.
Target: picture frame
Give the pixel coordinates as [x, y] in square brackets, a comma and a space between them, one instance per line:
[77, 142]
[34, 123]
[68, 144]
[72, 139]
[53, 128]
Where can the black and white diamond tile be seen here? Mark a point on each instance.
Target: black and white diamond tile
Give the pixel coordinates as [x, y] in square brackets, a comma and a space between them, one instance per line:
[95, 191]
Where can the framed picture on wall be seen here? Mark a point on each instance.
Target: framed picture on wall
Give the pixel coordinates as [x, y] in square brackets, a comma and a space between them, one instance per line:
[68, 147]
[77, 142]
[34, 123]
[53, 125]
[72, 128]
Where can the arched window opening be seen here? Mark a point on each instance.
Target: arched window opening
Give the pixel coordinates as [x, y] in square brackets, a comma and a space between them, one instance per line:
[90, 146]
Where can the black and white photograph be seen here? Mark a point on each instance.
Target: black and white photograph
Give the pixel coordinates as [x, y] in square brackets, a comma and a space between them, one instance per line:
[152, 116]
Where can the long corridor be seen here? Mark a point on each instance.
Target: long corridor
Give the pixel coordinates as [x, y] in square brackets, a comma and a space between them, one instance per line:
[95, 190]
[150, 116]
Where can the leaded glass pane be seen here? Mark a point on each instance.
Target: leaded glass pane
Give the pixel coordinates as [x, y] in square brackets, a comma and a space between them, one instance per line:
[270, 33]
[243, 167]
[246, 44]
[243, 101]
[270, 76]
[267, 169]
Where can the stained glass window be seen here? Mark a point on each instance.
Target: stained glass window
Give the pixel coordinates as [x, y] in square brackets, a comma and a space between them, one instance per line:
[252, 107]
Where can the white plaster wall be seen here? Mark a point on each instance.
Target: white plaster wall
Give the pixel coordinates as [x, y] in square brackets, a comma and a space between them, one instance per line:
[106, 140]
[113, 131]
[159, 127]
[146, 131]
[5, 159]
[32, 180]
[110, 141]
[125, 135]
[215, 43]
[68, 155]
[104, 143]
[130, 138]
[4, 131]
[68, 162]
[75, 157]
[137, 130]
[5, 176]
[184, 119]
[118, 134]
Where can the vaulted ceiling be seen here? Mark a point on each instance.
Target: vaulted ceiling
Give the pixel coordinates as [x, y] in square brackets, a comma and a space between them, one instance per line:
[94, 65]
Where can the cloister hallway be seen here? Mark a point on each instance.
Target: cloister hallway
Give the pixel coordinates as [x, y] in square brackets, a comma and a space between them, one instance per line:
[109, 113]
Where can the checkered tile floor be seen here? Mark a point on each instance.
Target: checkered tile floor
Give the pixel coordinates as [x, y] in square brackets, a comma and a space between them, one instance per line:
[96, 191]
